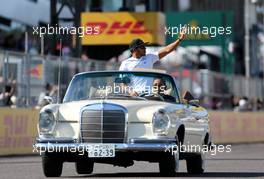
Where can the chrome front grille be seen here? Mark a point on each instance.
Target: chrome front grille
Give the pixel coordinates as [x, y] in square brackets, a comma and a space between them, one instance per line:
[103, 123]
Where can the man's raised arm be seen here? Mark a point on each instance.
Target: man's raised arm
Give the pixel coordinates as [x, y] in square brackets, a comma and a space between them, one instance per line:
[169, 48]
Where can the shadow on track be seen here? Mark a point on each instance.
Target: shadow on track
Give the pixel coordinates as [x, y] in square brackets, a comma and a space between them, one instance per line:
[209, 175]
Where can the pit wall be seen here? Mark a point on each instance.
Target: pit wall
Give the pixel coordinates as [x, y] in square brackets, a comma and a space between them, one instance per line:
[18, 129]
[237, 127]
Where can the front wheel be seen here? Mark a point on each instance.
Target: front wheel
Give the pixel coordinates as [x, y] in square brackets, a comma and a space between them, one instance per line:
[52, 167]
[195, 164]
[84, 167]
[169, 165]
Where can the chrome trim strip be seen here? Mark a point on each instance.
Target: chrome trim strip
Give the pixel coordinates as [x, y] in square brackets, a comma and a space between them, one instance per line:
[139, 122]
[100, 131]
[149, 141]
[98, 139]
[62, 140]
[71, 121]
[126, 127]
[107, 123]
[102, 119]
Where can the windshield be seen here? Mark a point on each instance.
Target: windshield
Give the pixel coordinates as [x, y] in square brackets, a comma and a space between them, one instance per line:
[122, 85]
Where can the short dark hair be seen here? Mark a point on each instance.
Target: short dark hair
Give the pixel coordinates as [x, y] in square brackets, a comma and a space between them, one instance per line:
[135, 43]
[8, 88]
[47, 87]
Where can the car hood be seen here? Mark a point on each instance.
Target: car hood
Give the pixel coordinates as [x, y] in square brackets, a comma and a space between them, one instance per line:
[138, 111]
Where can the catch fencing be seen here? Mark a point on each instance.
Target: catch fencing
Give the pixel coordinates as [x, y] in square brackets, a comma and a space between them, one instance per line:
[30, 73]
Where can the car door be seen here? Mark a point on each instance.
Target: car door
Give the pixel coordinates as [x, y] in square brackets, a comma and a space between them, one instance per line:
[188, 115]
[183, 114]
[197, 124]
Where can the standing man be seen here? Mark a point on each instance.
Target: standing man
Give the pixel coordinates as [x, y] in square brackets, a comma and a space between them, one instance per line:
[139, 58]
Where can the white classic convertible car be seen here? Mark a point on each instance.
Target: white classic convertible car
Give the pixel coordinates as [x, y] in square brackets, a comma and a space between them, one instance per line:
[117, 117]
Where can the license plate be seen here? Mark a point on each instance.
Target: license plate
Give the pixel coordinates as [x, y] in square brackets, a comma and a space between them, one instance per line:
[101, 150]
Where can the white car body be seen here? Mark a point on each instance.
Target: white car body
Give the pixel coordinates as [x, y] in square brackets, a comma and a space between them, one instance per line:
[187, 125]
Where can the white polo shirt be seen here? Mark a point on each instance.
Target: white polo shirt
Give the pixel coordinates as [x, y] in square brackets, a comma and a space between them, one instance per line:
[147, 61]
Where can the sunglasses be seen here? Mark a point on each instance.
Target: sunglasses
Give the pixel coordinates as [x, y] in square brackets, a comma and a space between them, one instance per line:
[142, 47]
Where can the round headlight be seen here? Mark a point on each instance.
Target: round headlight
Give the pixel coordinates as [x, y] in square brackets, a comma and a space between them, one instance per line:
[161, 123]
[46, 122]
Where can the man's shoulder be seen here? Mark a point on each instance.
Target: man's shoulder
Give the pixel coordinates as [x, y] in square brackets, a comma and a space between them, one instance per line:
[128, 60]
[125, 63]
[152, 54]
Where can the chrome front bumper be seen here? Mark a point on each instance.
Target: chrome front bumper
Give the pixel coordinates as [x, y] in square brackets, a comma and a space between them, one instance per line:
[136, 145]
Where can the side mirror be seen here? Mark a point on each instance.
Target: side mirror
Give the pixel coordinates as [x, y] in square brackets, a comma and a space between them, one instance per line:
[187, 96]
[194, 102]
[189, 99]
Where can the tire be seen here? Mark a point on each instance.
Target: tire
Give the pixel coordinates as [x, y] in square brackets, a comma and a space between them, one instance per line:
[84, 167]
[52, 167]
[169, 164]
[195, 164]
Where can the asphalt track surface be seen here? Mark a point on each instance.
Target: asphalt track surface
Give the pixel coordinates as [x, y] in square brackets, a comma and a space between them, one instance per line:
[244, 161]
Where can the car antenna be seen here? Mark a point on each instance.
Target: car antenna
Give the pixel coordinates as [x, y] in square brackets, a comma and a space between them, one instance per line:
[59, 73]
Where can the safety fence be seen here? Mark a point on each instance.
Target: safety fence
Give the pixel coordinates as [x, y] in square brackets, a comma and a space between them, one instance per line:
[30, 73]
[211, 87]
